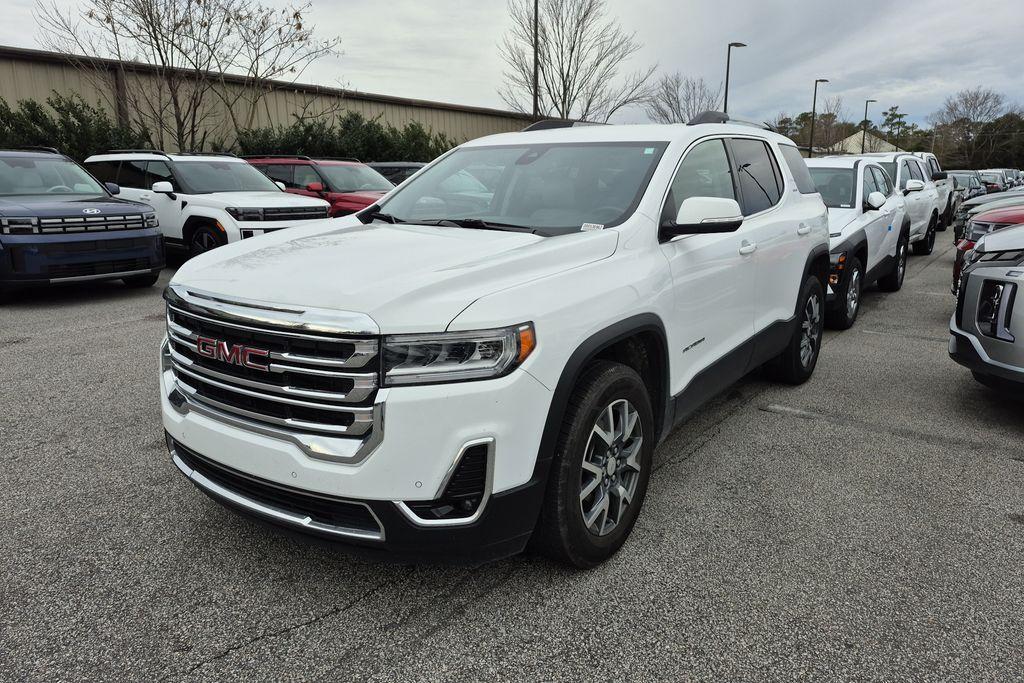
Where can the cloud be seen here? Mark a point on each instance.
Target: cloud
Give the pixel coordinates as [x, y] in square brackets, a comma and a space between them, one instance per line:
[912, 53]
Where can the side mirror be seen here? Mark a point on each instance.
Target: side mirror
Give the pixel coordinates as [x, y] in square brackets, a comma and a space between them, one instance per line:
[112, 188]
[940, 175]
[875, 200]
[913, 186]
[702, 215]
[280, 185]
[315, 187]
[163, 187]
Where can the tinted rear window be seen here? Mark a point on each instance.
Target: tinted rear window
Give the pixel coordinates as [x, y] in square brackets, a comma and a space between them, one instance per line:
[798, 168]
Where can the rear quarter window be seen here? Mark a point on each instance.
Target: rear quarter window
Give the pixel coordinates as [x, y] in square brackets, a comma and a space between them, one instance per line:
[798, 168]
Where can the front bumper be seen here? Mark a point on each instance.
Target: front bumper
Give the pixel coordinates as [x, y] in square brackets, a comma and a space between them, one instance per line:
[27, 260]
[966, 350]
[422, 433]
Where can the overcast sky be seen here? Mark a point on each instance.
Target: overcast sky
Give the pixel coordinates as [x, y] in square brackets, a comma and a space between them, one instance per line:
[906, 52]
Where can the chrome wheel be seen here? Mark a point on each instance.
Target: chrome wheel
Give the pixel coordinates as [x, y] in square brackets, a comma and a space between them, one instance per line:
[901, 262]
[811, 330]
[611, 467]
[853, 294]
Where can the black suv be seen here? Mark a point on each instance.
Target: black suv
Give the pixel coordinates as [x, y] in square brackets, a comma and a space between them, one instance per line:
[59, 224]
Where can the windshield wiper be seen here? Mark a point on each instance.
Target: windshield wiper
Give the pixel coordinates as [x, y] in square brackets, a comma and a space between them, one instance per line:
[373, 213]
[479, 224]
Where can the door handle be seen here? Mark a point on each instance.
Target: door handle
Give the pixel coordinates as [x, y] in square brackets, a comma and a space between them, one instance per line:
[803, 229]
[747, 248]
[145, 196]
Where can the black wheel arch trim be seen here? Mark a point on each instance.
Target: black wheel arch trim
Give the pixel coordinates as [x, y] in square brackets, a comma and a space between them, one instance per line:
[589, 350]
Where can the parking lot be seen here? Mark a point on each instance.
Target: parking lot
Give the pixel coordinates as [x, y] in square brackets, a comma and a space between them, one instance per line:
[865, 525]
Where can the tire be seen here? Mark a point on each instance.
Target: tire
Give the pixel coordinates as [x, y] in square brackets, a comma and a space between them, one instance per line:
[792, 366]
[141, 281]
[925, 246]
[203, 239]
[947, 216]
[893, 280]
[847, 306]
[580, 462]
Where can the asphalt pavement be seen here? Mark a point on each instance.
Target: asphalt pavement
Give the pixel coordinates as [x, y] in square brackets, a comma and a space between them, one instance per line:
[867, 525]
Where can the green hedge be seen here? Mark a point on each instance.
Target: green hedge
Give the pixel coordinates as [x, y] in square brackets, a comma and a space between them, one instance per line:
[70, 124]
[352, 135]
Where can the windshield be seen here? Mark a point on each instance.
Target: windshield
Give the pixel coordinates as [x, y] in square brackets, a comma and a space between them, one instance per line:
[992, 177]
[836, 186]
[20, 176]
[354, 177]
[552, 189]
[208, 175]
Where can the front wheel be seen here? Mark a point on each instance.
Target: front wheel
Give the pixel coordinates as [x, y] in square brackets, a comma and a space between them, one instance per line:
[847, 304]
[925, 246]
[796, 363]
[600, 469]
[204, 239]
[893, 280]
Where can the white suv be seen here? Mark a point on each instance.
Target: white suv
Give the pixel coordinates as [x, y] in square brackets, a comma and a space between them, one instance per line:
[204, 201]
[869, 231]
[911, 175]
[944, 185]
[452, 373]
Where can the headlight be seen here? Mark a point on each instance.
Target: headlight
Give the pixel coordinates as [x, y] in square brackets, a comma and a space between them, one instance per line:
[245, 214]
[27, 225]
[151, 221]
[456, 356]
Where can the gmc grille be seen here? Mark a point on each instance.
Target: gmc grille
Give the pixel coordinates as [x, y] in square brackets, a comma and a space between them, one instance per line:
[309, 382]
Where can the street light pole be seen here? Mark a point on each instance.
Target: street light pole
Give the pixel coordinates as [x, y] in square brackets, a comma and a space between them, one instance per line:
[536, 84]
[814, 111]
[864, 136]
[728, 61]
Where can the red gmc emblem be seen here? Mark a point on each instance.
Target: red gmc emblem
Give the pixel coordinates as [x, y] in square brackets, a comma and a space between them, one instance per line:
[236, 354]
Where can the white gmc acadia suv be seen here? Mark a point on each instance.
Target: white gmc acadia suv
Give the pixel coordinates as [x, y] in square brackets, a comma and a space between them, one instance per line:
[204, 201]
[453, 374]
[869, 232]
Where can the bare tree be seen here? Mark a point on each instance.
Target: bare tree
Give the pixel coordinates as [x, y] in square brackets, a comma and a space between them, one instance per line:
[962, 117]
[783, 124]
[580, 55]
[186, 46]
[830, 127]
[677, 99]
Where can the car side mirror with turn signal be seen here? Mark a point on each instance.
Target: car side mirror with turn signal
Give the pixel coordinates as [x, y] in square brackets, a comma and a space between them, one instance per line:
[704, 215]
[875, 200]
[913, 186]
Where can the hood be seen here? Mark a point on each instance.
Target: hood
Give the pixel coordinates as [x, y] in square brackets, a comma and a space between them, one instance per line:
[53, 206]
[838, 219]
[1009, 214]
[408, 278]
[1007, 239]
[366, 197]
[261, 200]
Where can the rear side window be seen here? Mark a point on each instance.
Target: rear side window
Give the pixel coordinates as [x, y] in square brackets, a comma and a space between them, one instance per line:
[798, 168]
[705, 172]
[755, 169]
[105, 171]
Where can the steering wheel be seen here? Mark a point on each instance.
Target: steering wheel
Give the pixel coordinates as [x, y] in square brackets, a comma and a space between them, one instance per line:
[608, 212]
[60, 188]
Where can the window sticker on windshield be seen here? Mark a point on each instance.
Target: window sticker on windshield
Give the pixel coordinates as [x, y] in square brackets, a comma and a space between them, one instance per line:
[592, 226]
[846, 206]
[648, 150]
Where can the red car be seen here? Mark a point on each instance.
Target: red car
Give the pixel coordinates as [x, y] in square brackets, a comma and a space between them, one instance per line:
[347, 184]
[978, 227]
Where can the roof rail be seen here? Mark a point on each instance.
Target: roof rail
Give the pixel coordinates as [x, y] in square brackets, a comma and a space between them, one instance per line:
[137, 151]
[722, 117]
[551, 124]
[353, 159]
[275, 156]
[38, 148]
[207, 154]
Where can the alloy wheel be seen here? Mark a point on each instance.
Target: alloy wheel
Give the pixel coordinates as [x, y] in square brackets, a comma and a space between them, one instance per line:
[203, 241]
[901, 262]
[853, 294]
[811, 330]
[611, 467]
